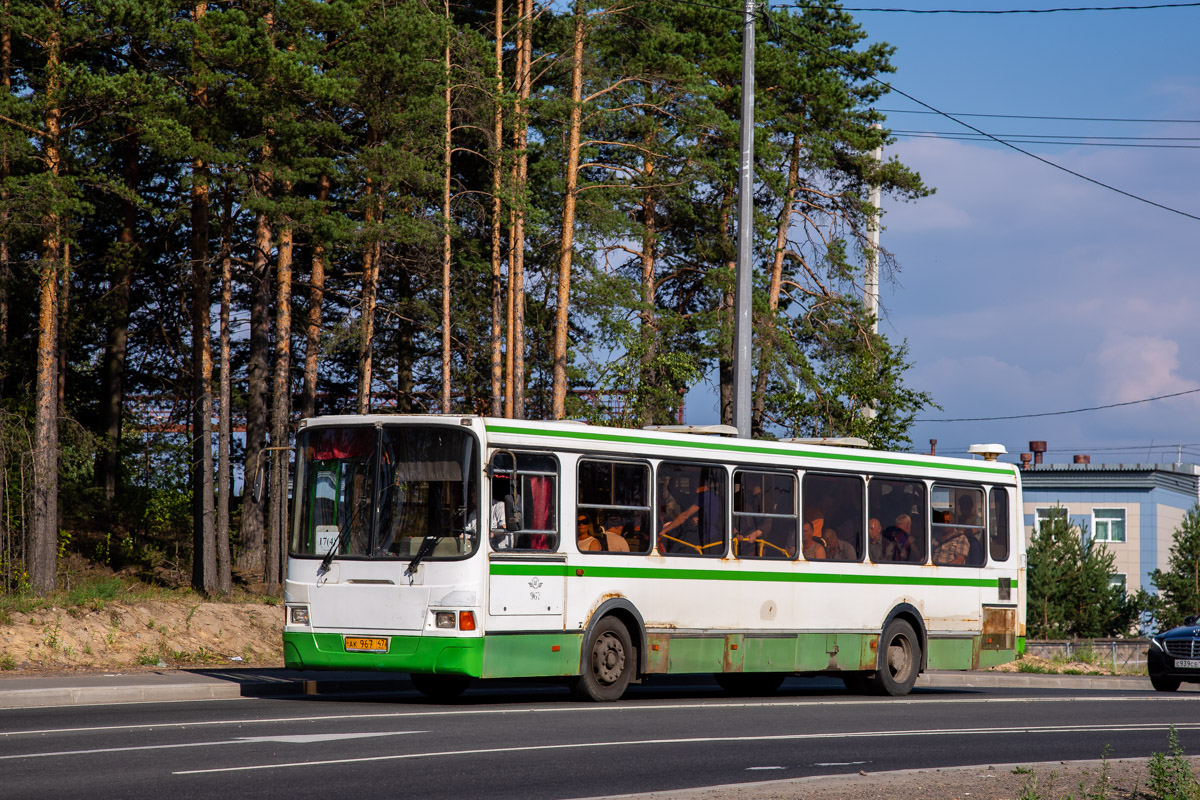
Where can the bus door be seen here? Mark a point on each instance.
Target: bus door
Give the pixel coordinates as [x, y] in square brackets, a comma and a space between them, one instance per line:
[527, 570]
[958, 545]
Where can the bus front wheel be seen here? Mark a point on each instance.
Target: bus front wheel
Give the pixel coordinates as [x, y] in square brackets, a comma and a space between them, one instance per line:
[609, 663]
[899, 659]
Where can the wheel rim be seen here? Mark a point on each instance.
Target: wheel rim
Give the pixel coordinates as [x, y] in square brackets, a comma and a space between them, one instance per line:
[608, 659]
[899, 658]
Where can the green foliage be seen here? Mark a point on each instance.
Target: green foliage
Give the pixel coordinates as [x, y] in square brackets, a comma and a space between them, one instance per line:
[1070, 593]
[1171, 776]
[1179, 585]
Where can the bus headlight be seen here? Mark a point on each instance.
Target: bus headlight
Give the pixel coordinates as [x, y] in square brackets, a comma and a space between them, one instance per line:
[445, 619]
[298, 615]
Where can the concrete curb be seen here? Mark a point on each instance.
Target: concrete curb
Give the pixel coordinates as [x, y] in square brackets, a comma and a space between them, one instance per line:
[185, 685]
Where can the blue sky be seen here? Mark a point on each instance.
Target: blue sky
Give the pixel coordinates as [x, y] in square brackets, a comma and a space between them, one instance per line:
[1023, 289]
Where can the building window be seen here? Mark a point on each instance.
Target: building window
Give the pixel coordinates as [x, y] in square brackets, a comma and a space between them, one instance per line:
[1108, 524]
[1044, 515]
[1117, 579]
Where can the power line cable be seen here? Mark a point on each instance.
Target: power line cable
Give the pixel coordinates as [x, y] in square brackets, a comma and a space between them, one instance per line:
[1009, 145]
[1004, 10]
[967, 125]
[966, 137]
[1062, 413]
[1081, 136]
[1040, 116]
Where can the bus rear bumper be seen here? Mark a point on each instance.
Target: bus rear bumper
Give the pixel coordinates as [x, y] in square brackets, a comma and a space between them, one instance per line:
[429, 655]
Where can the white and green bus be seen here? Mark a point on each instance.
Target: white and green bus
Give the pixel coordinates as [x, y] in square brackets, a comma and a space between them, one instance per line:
[454, 548]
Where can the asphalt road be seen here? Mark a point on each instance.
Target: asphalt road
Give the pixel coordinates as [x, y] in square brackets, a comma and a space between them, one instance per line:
[523, 741]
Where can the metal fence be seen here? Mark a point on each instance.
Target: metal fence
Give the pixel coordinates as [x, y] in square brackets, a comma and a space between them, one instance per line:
[1123, 655]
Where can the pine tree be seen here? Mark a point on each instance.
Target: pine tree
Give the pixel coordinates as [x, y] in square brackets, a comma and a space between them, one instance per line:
[1179, 585]
[1071, 593]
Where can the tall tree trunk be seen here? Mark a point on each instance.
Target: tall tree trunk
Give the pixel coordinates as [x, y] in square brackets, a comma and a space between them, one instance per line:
[517, 260]
[316, 298]
[204, 555]
[405, 384]
[649, 329]
[766, 334]
[369, 288]
[116, 347]
[561, 317]
[725, 315]
[252, 555]
[204, 549]
[5, 171]
[43, 566]
[447, 150]
[280, 408]
[497, 349]
[64, 317]
[225, 420]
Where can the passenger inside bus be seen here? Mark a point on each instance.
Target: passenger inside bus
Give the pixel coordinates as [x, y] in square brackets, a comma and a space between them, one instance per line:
[813, 546]
[898, 542]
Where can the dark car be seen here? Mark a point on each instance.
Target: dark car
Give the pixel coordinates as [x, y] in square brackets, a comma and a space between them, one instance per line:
[1174, 657]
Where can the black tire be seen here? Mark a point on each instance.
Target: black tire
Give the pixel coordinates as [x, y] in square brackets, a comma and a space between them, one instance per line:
[440, 688]
[859, 682]
[1164, 684]
[749, 684]
[609, 661]
[899, 659]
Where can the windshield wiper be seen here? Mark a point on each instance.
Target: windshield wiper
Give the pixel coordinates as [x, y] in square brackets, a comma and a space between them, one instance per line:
[328, 559]
[425, 549]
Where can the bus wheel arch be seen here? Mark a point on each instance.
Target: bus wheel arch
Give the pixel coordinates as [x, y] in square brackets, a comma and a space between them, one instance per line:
[901, 653]
[613, 651]
[912, 615]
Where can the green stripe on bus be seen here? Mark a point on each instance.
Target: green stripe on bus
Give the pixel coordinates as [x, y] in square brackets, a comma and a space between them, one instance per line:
[654, 573]
[705, 443]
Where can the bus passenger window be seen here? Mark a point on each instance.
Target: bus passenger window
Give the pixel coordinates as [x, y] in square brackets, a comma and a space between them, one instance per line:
[958, 526]
[833, 518]
[764, 515]
[896, 521]
[691, 510]
[525, 505]
[998, 518]
[613, 507]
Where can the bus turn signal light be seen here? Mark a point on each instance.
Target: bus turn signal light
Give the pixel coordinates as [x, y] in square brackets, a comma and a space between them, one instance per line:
[466, 620]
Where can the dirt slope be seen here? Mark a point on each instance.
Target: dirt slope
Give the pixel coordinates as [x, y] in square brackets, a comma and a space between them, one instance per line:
[173, 633]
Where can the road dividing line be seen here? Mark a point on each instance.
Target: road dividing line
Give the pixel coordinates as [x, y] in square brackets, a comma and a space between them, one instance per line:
[1056, 729]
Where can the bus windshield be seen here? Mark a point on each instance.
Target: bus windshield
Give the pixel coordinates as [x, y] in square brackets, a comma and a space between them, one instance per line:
[372, 492]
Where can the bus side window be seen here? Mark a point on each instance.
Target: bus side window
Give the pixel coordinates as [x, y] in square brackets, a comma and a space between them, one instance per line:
[534, 523]
[764, 514]
[998, 519]
[958, 526]
[613, 514]
[896, 521]
[833, 518]
[691, 510]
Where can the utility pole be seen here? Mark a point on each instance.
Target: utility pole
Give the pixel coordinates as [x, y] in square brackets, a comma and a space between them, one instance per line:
[871, 282]
[743, 287]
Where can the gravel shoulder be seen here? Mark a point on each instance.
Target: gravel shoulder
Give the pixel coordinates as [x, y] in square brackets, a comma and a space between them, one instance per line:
[1122, 779]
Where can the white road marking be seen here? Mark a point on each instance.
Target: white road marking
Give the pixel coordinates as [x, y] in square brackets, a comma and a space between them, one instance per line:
[1059, 729]
[624, 707]
[754, 769]
[838, 763]
[304, 739]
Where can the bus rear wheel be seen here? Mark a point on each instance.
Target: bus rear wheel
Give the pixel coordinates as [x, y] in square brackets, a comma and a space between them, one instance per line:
[899, 659]
[440, 688]
[749, 684]
[609, 663]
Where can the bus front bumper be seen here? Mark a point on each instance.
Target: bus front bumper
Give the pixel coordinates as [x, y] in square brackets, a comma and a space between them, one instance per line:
[429, 655]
